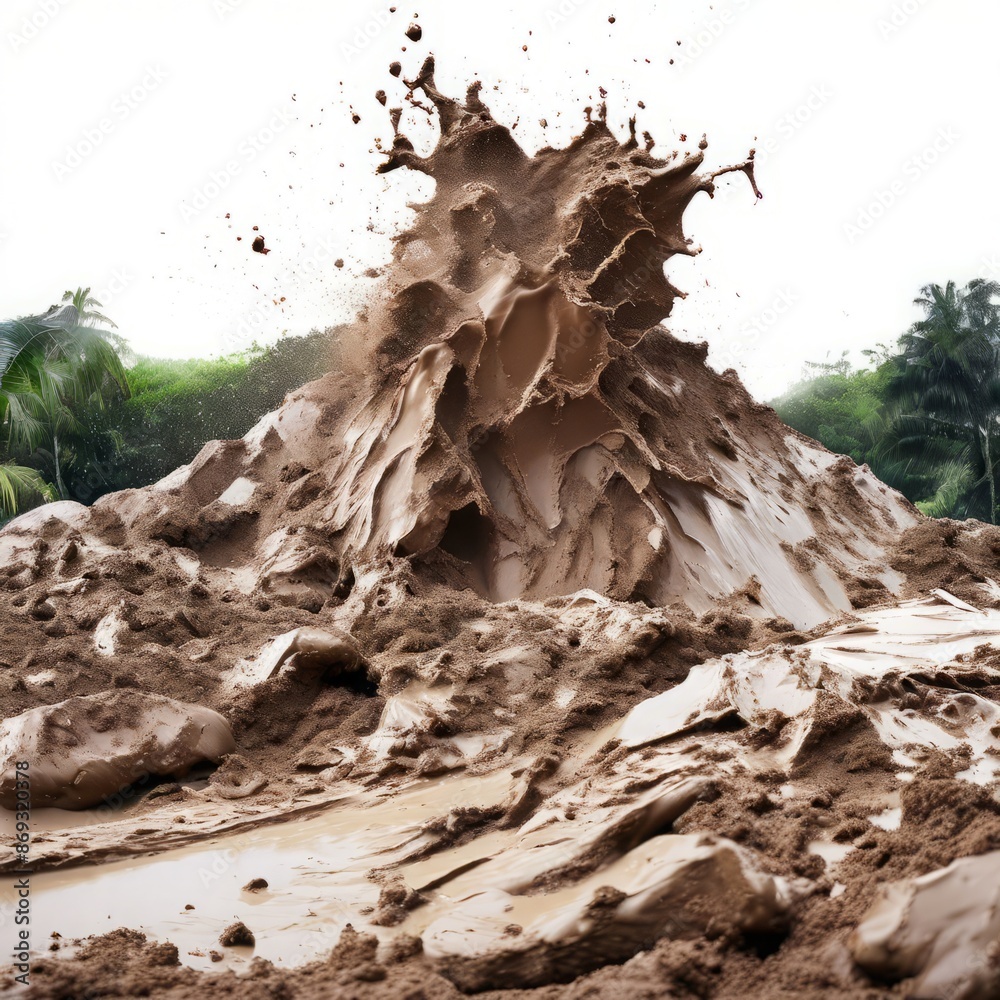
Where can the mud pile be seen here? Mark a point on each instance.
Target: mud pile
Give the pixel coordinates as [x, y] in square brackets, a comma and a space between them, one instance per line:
[567, 658]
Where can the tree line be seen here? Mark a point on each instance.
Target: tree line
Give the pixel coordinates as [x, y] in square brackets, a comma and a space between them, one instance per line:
[80, 416]
[924, 414]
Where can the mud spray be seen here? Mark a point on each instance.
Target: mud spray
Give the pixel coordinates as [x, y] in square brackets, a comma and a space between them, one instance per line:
[539, 658]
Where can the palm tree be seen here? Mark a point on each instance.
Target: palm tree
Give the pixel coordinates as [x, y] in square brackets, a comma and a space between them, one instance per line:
[82, 300]
[20, 486]
[52, 367]
[945, 391]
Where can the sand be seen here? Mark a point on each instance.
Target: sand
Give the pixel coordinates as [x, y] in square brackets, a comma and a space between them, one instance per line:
[527, 657]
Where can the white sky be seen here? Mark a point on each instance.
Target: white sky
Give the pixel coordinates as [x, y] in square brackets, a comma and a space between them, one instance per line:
[212, 85]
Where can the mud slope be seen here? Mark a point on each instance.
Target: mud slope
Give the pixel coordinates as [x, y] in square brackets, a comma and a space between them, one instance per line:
[537, 655]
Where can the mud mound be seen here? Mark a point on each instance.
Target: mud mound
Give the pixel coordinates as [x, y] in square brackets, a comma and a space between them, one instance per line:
[527, 430]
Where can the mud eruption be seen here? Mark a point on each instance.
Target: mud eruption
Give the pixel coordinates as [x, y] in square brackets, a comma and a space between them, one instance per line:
[567, 658]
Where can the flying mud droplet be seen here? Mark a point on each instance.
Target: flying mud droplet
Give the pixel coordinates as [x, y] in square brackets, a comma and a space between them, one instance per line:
[395, 68]
[258, 245]
[414, 32]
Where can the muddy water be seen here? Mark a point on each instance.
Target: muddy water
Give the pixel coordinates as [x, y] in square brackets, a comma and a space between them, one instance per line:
[316, 870]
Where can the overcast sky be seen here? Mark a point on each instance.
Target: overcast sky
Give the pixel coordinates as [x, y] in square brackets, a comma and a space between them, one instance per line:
[132, 128]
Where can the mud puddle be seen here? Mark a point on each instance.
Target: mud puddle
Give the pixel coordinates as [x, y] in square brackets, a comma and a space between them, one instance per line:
[316, 869]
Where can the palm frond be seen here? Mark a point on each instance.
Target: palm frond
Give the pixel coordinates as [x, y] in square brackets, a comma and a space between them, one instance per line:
[955, 478]
[21, 487]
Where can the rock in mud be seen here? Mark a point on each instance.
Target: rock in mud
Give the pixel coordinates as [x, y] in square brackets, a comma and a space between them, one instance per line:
[237, 935]
[671, 886]
[941, 928]
[306, 652]
[84, 749]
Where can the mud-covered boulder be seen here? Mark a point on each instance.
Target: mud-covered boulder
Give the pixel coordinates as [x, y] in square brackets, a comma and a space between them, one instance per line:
[80, 751]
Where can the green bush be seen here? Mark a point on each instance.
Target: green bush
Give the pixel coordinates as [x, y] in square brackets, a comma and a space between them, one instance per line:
[176, 406]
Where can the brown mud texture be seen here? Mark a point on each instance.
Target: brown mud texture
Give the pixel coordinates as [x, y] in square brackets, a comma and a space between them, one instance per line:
[724, 705]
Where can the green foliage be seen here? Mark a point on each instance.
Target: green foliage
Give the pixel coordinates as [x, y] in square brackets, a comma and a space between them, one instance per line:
[84, 304]
[840, 407]
[845, 410]
[79, 417]
[176, 406]
[925, 416]
[52, 368]
[21, 487]
[946, 386]
[955, 481]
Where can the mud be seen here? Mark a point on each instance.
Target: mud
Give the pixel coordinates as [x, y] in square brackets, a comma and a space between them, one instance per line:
[553, 664]
[86, 748]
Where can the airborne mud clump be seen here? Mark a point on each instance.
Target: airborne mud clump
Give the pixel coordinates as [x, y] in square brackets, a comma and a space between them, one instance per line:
[532, 657]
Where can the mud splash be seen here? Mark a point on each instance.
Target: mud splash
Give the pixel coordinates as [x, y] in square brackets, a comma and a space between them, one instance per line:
[508, 629]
